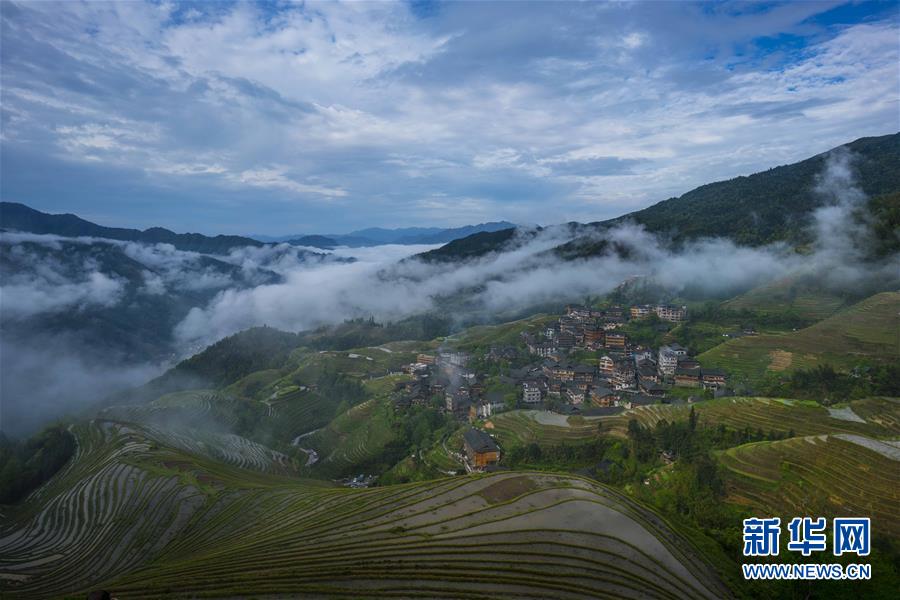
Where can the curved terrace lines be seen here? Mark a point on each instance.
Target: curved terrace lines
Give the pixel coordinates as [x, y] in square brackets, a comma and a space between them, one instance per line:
[119, 517]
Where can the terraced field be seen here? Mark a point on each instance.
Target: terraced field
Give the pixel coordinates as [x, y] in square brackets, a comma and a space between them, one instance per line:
[520, 427]
[351, 438]
[868, 330]
[880, 416]
[191, 406]
[502, 334]
[829, 475]
[360, 362]
[145, 520]
[299, 411]
[800, 295]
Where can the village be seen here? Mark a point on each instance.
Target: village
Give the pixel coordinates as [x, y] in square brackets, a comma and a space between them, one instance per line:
[580, 364]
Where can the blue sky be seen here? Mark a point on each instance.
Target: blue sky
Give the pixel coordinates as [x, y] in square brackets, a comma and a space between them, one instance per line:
[282, 118]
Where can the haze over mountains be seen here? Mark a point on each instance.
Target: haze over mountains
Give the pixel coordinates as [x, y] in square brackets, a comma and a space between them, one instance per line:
[76, 306]
[376, 236]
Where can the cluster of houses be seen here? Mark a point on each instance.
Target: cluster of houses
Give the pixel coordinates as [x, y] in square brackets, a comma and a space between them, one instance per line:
[447, 379]
[618, 376]
[666, 312]
[622, 375]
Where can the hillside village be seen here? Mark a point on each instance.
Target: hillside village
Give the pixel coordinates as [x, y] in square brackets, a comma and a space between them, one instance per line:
[580, 364]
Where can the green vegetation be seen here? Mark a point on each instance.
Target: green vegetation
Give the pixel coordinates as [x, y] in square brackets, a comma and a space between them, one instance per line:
[839, 475]
[236, 356]
[212, 492]
[473, 246]
[166, 522]
[828, 386]
[801, 298]
[867, 331]
[523, 427]
[482, 337]
[651, 331]
[791, 417]
[885, 216]
[25, 466]
[769, 206]
[359, 333]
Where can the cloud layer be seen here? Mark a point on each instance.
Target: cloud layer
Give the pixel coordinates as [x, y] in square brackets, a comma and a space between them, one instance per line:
[529, 274]
[285, 118]
[46, 372]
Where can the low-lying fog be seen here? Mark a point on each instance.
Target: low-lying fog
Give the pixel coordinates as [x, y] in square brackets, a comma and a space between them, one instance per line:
[42, 379]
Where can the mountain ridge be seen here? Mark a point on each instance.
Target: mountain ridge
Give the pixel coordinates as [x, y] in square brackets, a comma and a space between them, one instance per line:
[377, 236]
[17, 216]
[751, 210]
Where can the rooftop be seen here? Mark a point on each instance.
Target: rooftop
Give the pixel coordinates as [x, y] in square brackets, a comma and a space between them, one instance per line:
[479, 441]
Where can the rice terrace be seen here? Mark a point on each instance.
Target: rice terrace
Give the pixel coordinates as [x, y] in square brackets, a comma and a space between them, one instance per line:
[437, 299]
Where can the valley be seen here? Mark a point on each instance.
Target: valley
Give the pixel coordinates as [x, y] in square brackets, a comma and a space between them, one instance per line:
[251, 488]
[572, 411]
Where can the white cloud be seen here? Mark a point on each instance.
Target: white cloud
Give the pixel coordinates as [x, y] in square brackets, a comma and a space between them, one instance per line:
[366, 103]
[25, 297]
[275, 178]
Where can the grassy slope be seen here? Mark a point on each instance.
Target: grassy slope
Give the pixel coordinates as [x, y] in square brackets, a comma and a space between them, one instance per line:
[484, 336]
[795, 295]
[866, 330]
[145, 520]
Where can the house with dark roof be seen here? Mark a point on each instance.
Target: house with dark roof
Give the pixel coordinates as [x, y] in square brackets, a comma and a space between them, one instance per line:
[712, 378]
[687, 377]
[652, 388]
[480, 448]
[616, 340]
[635, 400]
[601, 395]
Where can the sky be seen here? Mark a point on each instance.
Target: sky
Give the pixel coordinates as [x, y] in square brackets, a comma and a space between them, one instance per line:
[283, 118]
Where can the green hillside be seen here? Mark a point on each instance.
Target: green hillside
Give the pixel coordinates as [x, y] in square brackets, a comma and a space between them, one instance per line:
[836, 475]
[472, 246]
[773, 205]
[800, 296]
[521, 427]
[879, 418]
[147, 520]
[867, 330]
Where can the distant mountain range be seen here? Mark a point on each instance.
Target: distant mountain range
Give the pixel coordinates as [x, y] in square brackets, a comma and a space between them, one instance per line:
[377, 236]
[18, 217]
[771, 206]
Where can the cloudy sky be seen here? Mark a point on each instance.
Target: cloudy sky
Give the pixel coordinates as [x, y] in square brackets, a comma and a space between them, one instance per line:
[285, 118]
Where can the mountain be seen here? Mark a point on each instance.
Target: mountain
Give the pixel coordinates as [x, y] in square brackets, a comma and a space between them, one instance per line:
[122, 303]
[381, 235]
[448, 235]
[378, 236]
[771, 206]
[314, 241]
[18, 217]
[472, 246]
